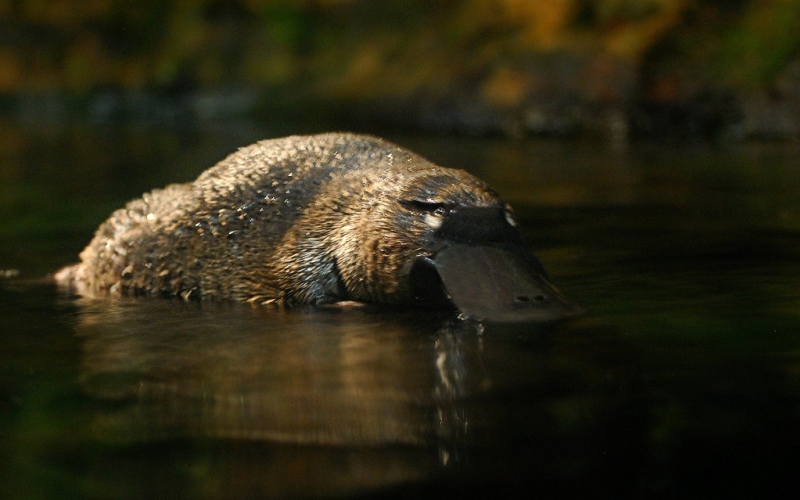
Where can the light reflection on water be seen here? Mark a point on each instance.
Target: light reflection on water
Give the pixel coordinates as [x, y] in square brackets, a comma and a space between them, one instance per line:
[266, 375]
[363, 379]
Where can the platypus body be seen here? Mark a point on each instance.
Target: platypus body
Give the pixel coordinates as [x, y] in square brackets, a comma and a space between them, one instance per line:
[322, 219]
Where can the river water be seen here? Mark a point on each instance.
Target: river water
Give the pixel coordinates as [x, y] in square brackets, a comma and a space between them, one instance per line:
[682, 380]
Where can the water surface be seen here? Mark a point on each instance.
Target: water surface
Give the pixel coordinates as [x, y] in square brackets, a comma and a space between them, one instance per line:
[683, 379]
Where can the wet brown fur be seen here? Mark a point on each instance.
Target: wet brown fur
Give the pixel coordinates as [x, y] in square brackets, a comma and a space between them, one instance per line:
[297, 220]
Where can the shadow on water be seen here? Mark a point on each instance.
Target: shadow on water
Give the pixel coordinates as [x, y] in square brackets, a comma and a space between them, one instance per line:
[315, 402]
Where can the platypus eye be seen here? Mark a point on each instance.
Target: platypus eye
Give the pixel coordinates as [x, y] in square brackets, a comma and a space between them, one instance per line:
[429, 207]
[434, 212]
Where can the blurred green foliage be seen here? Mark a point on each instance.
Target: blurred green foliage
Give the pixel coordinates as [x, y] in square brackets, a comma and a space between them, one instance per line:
[510, 66]
[344, 45]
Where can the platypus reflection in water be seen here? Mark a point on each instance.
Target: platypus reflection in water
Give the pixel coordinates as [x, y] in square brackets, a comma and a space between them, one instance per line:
[317, 220]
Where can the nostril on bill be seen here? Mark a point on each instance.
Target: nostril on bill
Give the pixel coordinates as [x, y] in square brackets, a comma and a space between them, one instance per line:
[522, 299]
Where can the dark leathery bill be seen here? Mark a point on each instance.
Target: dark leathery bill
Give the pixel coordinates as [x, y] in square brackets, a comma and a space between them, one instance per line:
[485, 270]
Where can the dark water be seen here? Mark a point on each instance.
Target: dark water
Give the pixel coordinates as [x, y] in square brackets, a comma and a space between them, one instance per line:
[682, 381]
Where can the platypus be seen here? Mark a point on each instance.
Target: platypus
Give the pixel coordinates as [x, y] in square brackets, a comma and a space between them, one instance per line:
[322, 219]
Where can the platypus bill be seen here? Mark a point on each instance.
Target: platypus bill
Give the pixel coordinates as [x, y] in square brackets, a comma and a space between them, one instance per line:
[322, 219]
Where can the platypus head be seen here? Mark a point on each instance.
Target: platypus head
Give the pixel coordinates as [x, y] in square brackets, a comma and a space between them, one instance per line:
[440, 237]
